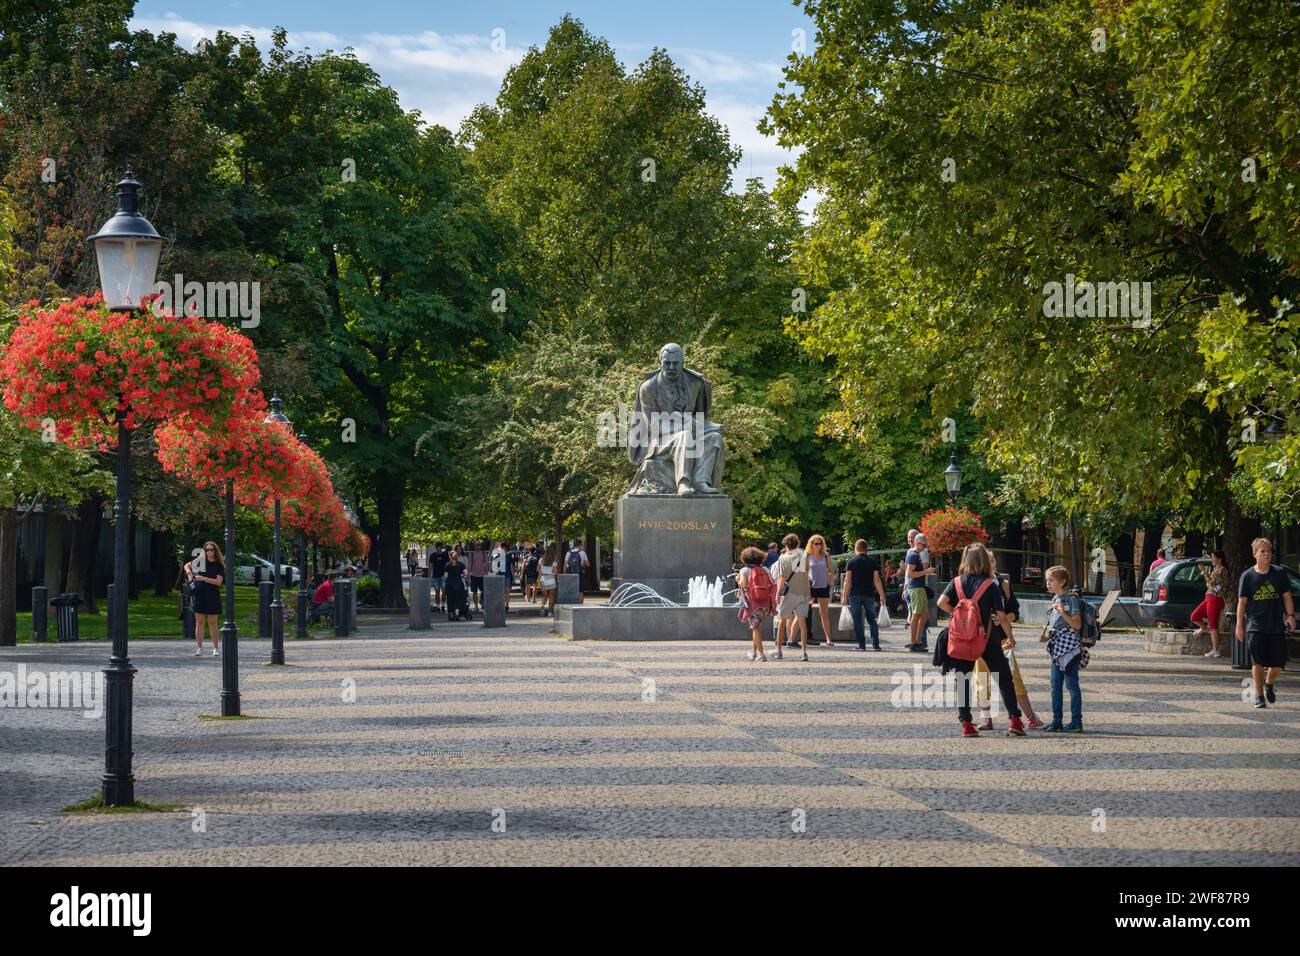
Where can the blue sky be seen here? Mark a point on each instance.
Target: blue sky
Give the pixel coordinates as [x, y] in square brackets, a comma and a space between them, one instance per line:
[439, 56]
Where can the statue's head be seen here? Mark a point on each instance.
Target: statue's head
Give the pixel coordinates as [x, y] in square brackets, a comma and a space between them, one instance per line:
[671, 361]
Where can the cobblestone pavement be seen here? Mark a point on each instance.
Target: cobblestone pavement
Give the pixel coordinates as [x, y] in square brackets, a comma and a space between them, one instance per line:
[399, 748]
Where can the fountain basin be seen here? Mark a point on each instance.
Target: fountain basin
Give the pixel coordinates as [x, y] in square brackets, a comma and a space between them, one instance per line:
[594, 622]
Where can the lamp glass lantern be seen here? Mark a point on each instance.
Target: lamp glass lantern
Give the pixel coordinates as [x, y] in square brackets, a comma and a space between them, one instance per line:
[952, 476]
[127, 249]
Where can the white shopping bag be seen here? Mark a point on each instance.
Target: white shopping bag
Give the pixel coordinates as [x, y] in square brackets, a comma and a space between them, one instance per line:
[846, 619]
[882, 619]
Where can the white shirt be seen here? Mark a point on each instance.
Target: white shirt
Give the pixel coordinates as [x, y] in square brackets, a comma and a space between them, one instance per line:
[499, 561]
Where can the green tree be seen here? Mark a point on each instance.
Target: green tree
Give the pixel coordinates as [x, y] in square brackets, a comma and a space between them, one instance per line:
[396, 268]
[970, 154]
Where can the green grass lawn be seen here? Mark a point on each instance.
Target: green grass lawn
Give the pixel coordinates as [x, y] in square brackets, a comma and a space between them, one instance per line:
[155, 617]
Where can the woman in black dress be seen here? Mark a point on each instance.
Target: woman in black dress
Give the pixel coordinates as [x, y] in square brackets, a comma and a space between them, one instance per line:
[457, 594]
[208, 573]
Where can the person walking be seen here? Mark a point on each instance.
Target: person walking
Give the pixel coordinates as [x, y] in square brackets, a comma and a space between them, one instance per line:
[575, 562]
[478, 567]
[438, 574]
[1011, 608]
[916, 566]
[1207, 613]
[862, 582]
[501, 567]
[1064, 638]
[821, 577]
[547, 571]
[1262, 593]
[757, 598]
[207, 573]
[412, 560]
[457, 596]
[793, 590]
[975, 584]
[531, 563]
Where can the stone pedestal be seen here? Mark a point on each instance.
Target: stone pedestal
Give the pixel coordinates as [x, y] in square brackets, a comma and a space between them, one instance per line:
[568, 588]
[421, 616]
[494, 600]
[663, 541]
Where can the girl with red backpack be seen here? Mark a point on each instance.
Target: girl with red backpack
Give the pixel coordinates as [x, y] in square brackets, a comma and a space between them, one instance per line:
[974, 602]
[757, 598]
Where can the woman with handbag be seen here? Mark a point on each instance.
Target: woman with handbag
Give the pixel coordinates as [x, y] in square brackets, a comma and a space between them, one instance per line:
[206, 575]
[821, 577]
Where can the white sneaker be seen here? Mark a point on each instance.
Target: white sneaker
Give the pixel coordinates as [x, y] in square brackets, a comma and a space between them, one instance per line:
[777, 655]
[215, 652]
[750, 655]
[803, 656]
[762, 659]
[198, 652]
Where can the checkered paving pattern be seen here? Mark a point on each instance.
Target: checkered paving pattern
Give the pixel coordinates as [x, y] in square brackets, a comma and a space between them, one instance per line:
[465, 748]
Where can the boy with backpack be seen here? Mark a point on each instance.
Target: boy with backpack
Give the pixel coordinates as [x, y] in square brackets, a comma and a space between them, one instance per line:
[757, 598]
[1064, 636]
[575, 562]
[974, 602]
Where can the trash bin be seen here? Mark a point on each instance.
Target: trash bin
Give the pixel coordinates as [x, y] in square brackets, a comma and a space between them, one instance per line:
[65, 606]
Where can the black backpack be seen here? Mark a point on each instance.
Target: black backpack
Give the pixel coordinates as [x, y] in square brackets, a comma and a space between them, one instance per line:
[573, 562]
[1090, 633]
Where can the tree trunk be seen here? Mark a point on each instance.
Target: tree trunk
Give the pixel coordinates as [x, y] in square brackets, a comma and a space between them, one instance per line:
[390, 552]
[592, 582]
[1122, 545]
[560, 547]
[1238, 532]
[1011, 563]
[133, 579]
[1150, 542]
[85, 547]
[1194, 544]
[53, 578]
[163, 561]
[8, 577]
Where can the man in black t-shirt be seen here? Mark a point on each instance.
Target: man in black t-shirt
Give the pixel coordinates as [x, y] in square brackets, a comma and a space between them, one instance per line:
[862, 585]
[438, 574]
[1262, 593]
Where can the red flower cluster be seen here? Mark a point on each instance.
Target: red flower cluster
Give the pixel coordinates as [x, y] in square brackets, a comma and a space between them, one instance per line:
[83, 365]
[264, 460]
[951, 529]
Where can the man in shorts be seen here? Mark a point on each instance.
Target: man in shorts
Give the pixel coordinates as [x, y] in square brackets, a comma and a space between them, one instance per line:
[1262, 593]
[915, 569]
[437, 574]
[794, 589]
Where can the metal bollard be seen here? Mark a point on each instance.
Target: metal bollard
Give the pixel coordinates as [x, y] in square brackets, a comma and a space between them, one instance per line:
[341, 603]
[353, 594]
[40, 615]
[265, 595]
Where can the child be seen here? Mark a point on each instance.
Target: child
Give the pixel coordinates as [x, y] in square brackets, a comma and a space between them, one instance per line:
[757, 598]
[1064, 637]
[1263, 593]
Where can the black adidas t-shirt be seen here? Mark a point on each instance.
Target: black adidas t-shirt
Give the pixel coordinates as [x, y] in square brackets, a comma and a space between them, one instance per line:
[1265, 612]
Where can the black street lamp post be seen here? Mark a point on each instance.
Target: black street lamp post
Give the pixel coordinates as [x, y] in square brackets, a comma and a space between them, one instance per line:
[127, 250]
[303, 594]
[277, 607]
[952, 478]
[229, 630]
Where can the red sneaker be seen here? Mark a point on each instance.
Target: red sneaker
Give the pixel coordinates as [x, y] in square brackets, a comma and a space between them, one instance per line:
[985, 724]
[1017, 729]
[968, 729]
[1035, 723]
